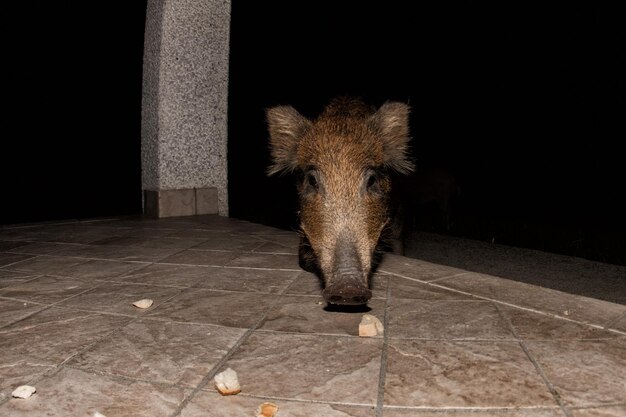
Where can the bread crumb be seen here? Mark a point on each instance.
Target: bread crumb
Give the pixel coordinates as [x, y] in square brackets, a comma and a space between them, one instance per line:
[370, 326]
[23, 391]
[267, 410]
[145, 303]
[227, 382]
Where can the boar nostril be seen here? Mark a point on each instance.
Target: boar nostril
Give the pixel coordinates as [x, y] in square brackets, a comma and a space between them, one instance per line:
[346, 295]
[358, 299]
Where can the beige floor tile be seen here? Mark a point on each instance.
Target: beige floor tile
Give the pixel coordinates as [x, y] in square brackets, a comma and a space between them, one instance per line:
[173, 353]
[17, 372]
[406, 288]
[531, 325]
[54, 335]
[232, 309]
[264, 260]
[583, 309]
[210, 404]
[96, 269]
[584, 372]
[72, 392]
[40, 248]
[11, 245]
[21, 233]
[219, 278]
[46, 264]
[229, 242]
[9, 259]
[443, 319]
[608, 411]
[146, 232]
[120, 253]
[212, 278]
[309, 367]
[118, 298]
[201, 257]
[8, 278]
[247, 279]
[12, 310]
[415, 268]
[619, 324]
[72, 234]
[168, 274]
[289, 239]
[205, 233]
[273, 247]
[568, 274]
[47, 289]
[306, 283]
[150, 242]
[531, 412]
[462, 374]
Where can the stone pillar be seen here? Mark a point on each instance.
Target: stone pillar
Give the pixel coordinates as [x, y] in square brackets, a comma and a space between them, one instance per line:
[184, 110]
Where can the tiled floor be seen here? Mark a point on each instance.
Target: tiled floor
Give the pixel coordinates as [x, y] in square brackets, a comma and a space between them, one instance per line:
[229, 293]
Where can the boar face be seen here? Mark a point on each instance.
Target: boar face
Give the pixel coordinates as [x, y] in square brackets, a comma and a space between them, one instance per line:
[342, 160]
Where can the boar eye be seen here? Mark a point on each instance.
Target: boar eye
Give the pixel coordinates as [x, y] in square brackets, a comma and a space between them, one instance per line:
[311, 182]
[372, 183]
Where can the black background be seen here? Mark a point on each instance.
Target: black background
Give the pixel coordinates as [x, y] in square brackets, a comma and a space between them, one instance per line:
[523, 103]
[71, 144]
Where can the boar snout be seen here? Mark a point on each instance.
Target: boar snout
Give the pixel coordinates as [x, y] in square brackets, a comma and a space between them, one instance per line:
[348, 283]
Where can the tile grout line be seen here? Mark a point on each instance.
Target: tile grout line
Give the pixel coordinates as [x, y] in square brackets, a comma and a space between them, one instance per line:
[55, 304]
[444, 410]
[549, 384]
[532, 310]
[458, 274]
[59, 367]
[380, 398]
[553, 391]
[256, 328]
[22, 254]
[596, 406]
[211, 374]
[614, 321]
[92, 244]
[301, 400]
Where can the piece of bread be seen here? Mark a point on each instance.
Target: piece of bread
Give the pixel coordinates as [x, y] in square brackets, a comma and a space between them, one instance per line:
[267, 410]
[370, 326]
[227, 382]
[145, 303]
[23, 391]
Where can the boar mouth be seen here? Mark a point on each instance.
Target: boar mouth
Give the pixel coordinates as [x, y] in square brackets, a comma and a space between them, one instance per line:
[346, 294]
[347, 288]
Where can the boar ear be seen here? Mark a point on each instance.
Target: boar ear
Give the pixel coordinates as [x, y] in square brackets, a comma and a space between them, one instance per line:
[286, 127]
[391, 121]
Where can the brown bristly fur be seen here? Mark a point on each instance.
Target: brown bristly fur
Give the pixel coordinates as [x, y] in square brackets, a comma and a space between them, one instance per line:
[343, 158]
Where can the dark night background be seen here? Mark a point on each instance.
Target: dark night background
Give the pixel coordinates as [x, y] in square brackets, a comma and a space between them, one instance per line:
[72, 93]
[523, 104]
